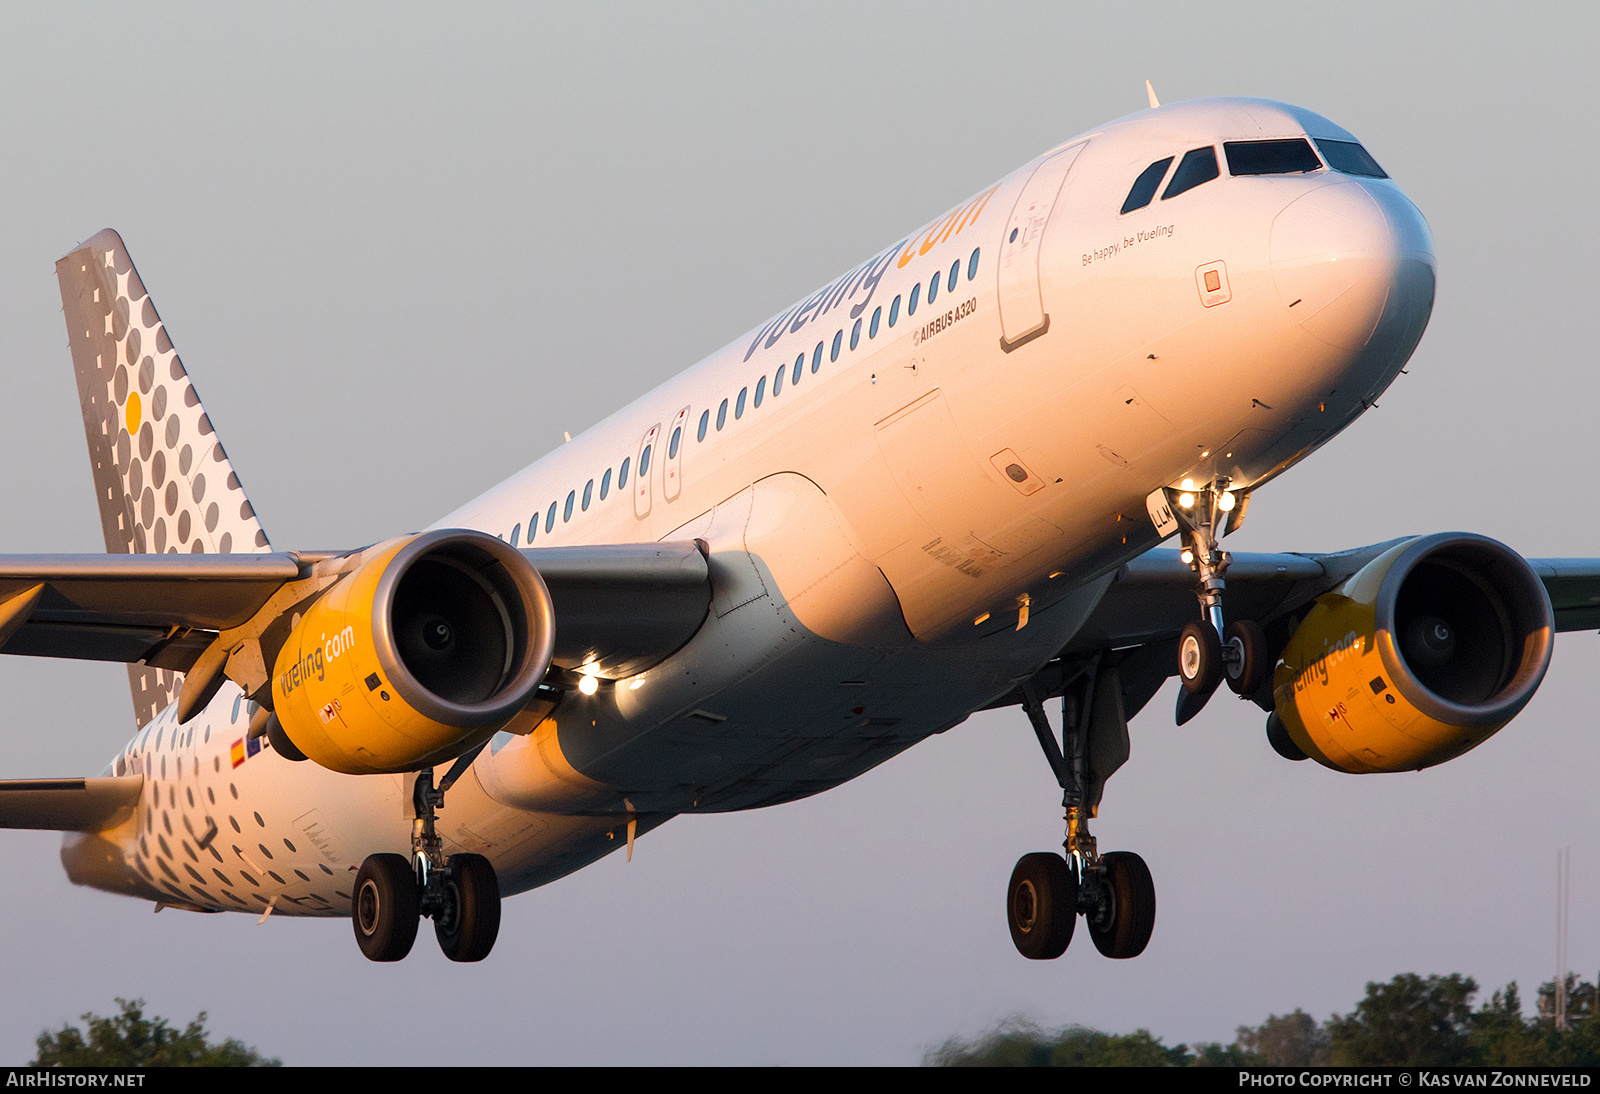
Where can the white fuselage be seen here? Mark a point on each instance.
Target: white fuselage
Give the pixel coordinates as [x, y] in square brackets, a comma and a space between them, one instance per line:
[879, 522]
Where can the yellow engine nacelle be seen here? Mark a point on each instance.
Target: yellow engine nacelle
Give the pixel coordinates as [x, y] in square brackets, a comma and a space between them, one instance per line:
[426, 649]
[1422, 655]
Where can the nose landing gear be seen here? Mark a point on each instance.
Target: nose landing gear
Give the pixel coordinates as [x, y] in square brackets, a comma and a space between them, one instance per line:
[1113, 892]
[460, 892]
[1209, 652]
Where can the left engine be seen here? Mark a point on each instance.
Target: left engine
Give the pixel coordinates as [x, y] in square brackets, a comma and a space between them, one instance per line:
[1423, 654]
[422, 652]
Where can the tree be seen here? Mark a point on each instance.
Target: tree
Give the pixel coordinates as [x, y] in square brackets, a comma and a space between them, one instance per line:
[1410, 1021]
[132, 1040]
[1289, 1040]
[1017, 1042]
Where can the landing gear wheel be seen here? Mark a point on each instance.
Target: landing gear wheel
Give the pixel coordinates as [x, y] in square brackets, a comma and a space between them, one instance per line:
[1042, 905]
[1199, 658]
[1121, 926]
[469, 921]
[385, 909]
[1246, 663]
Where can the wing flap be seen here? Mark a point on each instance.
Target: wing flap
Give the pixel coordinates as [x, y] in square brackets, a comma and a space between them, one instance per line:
[69, 805]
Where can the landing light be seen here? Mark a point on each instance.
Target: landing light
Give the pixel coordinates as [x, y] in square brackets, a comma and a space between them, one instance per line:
[1186, 500]
[1226, 501]
[588, 685]
[1187, 556]
[1187, 484]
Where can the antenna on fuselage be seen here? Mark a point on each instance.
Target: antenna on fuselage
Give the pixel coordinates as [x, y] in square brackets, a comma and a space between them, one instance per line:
[1150, 91]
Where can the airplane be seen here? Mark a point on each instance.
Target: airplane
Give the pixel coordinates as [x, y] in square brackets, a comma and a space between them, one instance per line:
[936, 485]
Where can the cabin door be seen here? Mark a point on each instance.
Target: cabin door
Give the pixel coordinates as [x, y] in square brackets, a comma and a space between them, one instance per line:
[1022, 314]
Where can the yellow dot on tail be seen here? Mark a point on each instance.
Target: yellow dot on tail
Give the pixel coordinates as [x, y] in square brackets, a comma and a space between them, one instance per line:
[133, 412]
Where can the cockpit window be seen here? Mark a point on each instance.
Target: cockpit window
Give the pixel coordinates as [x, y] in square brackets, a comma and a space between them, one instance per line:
[1199, 165]
[1288, 157]
[1145, 186]
[1351, 158]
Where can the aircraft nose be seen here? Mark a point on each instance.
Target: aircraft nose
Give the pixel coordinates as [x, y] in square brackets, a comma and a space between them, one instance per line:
[1343, 255]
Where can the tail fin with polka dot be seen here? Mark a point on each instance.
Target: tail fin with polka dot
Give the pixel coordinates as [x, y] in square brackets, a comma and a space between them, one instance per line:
[161, 477]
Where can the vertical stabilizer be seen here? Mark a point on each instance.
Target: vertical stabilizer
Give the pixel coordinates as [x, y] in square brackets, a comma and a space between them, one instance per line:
[161, 477]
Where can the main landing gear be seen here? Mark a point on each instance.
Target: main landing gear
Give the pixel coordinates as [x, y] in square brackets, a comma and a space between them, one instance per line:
[460, 893]
[1113, 892]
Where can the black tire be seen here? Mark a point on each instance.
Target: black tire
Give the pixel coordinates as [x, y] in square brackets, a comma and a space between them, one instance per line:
[1042, 906]
[1247, 669]
[1122, 928]
[469, 922]
[1199, 658]
[384, 910]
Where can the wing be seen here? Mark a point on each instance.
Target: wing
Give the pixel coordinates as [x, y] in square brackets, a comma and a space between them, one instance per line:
[69, 805]
[1152, 597]
[1136, 624]
[628, 606]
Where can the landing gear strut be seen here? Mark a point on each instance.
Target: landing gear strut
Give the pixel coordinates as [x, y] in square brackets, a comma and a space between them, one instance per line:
[459, 892]
[1209, 652]
[1113, 892]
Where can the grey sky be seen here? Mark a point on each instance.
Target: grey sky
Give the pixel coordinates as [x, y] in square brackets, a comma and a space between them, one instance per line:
[401, 249]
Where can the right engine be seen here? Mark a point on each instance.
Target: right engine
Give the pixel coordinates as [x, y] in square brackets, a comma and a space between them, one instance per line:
[426, 649]
[1423, 654]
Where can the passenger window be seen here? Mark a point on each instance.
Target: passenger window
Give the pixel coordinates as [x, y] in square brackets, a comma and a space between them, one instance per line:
[872, 331]
[799, 363]
[622, 473]
[738, 405]
[1198, 166]
[722, 414]
[516, 534]
[588, 494]
[761, 390]
[699, 435]
[1146, 185]
[566, 510]
[644, 460]
[1287, 157]
[855, 335]
[838, 340]
[533, 528]
[911, 305]
[672, 446]
[1350, 158]
[777, 379]
[894, 311]
[972, 265]
[955, 272]
[816, 358]
[605, 480]
[550, 517]
[933, 289]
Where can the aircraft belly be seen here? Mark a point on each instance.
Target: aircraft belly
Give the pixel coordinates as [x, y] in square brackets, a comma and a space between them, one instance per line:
[732, 731]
